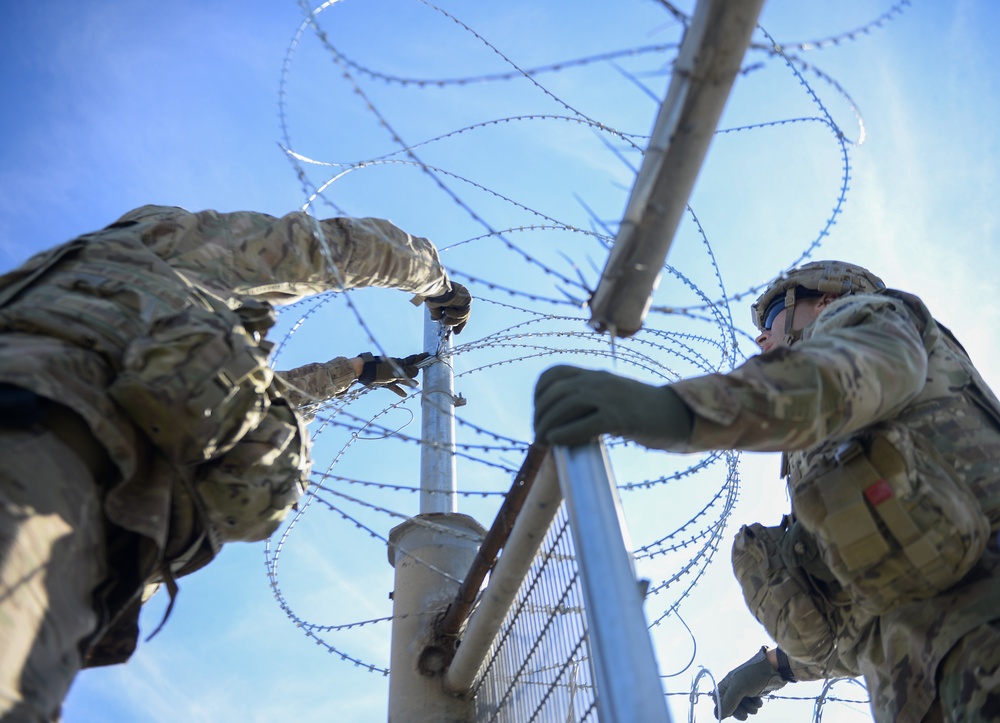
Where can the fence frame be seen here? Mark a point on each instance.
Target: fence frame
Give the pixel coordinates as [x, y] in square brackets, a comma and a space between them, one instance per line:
[627, 676]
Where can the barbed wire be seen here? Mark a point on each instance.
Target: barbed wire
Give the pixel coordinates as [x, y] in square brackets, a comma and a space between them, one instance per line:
[692, 334]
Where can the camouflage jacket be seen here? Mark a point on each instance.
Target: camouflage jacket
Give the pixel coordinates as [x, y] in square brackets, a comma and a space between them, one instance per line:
[306, 385]
[867, 359]
[64, 323]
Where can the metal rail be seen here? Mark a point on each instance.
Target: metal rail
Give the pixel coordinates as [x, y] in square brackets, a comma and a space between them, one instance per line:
[628, 679]
[524, 523]
[496, 538]
[709, 60]
[628, 682]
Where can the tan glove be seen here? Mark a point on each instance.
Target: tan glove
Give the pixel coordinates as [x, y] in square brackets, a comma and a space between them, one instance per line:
[452, 308]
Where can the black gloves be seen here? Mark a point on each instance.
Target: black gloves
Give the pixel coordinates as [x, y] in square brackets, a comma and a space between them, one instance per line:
[451, 308]
[390, 372]
[573, 406]
[741, 691]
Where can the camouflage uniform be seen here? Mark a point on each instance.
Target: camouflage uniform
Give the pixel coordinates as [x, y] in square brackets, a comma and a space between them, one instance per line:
[869, 358]
[90, 511]
[318, 381]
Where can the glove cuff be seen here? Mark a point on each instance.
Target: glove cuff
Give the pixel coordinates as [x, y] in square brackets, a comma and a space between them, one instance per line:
[667, 422]
[442, 298]
[770, 679]
[369, 367]
[784, 666]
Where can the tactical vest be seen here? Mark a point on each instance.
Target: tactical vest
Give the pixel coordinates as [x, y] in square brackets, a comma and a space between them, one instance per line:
[960, 415]
[189, 371]
[890, 519]
[779, 592]
[189, 374]
[898, 512]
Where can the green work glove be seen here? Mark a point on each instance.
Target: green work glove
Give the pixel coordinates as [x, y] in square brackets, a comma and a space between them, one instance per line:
[452, 308]
[573, 406]
[390, 372]
[741, 690]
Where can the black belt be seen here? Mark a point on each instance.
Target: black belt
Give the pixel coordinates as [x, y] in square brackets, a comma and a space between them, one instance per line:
[23, 409]
[20, 408]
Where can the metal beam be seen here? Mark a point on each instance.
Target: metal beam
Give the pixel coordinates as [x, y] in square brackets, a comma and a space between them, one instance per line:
[710, 58]
[438, 483]
[628, 679]
[526, 536]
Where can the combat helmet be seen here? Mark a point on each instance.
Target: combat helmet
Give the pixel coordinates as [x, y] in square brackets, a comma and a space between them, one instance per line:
[820, 277]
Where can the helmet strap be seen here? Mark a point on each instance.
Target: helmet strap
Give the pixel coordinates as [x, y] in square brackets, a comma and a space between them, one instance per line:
[790, 335]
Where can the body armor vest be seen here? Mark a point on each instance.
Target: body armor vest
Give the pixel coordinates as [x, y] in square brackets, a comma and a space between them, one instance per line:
[900, 511]
[189, 371]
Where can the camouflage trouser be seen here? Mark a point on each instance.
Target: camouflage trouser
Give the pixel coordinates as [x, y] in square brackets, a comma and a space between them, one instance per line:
[51, 559]
[969, 679]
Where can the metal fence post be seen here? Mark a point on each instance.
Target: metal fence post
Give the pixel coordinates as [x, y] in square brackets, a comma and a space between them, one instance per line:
[431, 553]
[628, 680]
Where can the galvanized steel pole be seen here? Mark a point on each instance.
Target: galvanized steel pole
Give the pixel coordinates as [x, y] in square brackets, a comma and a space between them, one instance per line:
[438, 486]
[707, 65]
[628, 679]
[431, 553]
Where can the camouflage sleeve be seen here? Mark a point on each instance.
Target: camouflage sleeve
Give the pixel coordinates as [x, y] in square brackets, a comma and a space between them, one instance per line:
[833, 669]
[317, 382]
[860, 362]
[284, 259]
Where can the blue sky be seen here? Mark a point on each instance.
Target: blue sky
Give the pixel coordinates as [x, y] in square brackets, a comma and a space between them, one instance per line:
[110, 105]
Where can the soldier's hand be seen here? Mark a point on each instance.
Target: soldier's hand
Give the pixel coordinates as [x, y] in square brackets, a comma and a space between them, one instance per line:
[573, 406]
[741, 691]
[390, 372]
[451, 308]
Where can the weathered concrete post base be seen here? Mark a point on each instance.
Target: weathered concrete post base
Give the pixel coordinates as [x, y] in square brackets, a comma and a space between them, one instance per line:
[421, 549]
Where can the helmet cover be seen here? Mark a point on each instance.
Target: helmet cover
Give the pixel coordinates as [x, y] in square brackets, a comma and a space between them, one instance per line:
[827, 277]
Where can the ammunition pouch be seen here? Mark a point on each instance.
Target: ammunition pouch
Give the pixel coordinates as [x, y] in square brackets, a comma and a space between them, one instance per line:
[190, 371]
[195, 383]
[248, 490]
[891, 520]
[785, 599]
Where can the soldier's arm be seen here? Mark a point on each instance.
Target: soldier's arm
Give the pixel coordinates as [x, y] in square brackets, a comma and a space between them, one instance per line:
[803, 671]
[863, 362]
[284, 259]
[319, 381]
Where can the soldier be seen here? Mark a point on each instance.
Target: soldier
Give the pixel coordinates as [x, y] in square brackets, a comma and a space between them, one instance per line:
[140, 424]
[887, 567]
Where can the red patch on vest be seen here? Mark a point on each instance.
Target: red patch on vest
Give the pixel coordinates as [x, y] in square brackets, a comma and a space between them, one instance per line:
[878, 493]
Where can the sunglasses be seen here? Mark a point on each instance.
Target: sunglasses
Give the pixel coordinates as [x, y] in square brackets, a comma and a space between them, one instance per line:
[773, 309]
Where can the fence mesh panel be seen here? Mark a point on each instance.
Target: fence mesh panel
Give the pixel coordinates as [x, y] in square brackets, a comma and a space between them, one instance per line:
[539, 666]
